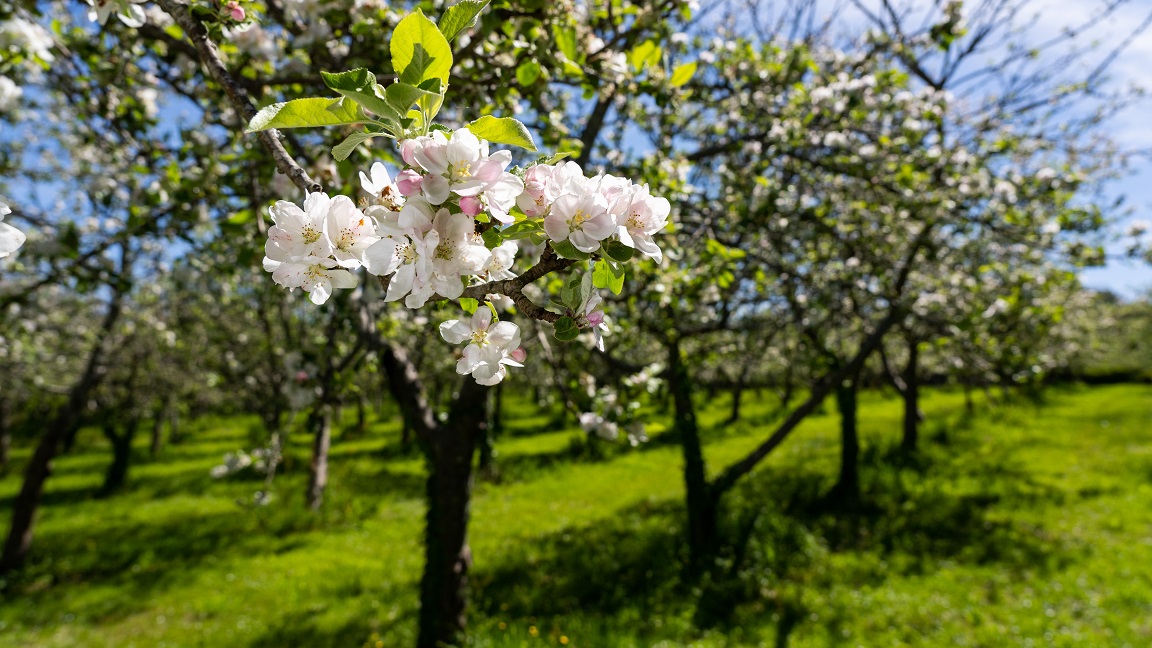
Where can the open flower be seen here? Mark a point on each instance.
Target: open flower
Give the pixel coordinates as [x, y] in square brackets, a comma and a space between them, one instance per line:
[456, 253]
[299, 232]
[350, 232]
[643, 215]
[316, 276]
[405, 251]
[128, 11]
[492, 346]
[460, 165]
[379, 185]
[581, 219]
[10, 238]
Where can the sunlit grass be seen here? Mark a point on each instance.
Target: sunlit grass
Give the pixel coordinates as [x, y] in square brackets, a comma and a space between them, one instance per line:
[1024, 522]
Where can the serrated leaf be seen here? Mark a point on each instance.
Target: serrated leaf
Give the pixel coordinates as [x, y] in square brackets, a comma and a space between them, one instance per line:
[459, 17]
[568, 251]
[522, 229]
[342, 150]
[502, 130]
[682, 74]
[565, 329]
[527, 73]
[419, 50]
[311, 112]
[469, 305]
[618, 251]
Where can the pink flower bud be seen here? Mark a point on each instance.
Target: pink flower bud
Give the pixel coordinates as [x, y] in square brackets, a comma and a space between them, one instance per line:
[408, 150]
[519, 354]
[596, 318]
[235, 11]
[471, 205]
[409, 182]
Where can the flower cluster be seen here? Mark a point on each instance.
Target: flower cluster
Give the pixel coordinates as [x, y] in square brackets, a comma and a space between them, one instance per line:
[421, 230]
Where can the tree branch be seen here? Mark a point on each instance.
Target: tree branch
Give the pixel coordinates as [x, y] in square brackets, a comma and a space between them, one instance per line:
[210, 58]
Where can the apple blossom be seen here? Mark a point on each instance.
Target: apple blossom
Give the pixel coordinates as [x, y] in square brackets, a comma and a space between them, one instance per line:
[492, 347]
[128, 11]
[299, 232]
[350, 232]
[381, 187]
[10, 238]
[581, 219]
[316, 276]
[643, 216]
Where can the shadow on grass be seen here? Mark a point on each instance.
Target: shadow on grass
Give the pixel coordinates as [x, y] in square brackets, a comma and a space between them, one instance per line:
[779, 535]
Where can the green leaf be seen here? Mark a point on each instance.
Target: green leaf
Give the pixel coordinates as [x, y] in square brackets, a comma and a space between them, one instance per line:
[565, 40]
[360, 86]
[469, 305]
[420, 51]
[645, 53]
[502, 130]
[683, 74]
[459, 17]
[566, 329]
[493, 237]
[527, 73]
[522, 229]
[301, 113]
[569, 251]
[608, 274]
[401, 96]
[342, 150]
[617, 251]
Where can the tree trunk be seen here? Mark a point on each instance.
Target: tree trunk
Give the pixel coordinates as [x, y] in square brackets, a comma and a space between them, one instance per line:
[174, 434]
[488, 439]
[702, 509]
[318, 469]
[443, 588]
[117, 473]
[847, 488]
[5, 436]
[912, 413]
[157, 441]
[66, 421]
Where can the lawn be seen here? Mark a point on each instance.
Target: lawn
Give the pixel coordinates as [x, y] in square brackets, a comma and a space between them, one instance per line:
[1027, 523]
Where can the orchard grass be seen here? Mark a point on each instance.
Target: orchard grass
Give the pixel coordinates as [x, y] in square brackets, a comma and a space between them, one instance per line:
[1029, 520]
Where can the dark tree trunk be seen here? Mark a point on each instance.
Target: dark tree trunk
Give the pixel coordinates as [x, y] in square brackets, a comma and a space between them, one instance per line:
[5, 436]
[443, 588]
[157, 442]
[912, 413]
[174, 433]
[737, 395]
[789, 389]
[65, 423]
[117, 473]
[361, 414]
[847, 488]
[702, 510]
[488, 439]
[318, 469]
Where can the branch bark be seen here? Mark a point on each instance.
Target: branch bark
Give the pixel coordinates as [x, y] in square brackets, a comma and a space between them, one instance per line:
[209, 55]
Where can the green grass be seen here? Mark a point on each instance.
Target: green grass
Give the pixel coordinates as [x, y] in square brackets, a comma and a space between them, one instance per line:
[1027, 524]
